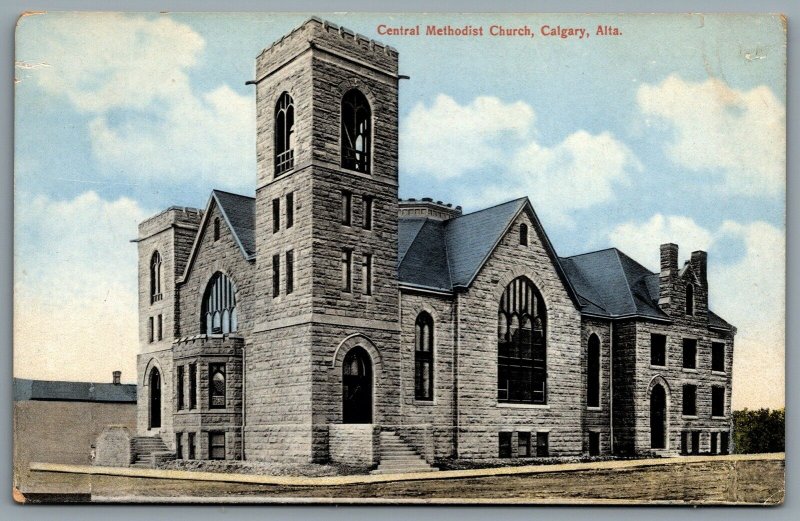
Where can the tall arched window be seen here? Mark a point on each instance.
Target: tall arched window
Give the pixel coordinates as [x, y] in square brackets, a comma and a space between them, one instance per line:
[356, 131]
[155, 277]
[523, 234]
[284, 130]
[593, 372]
[216, 229]
[690, 299]
[219, 306]
[522, 344]
[423, 357]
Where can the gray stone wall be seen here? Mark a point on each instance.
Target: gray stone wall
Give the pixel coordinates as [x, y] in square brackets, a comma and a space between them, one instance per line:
[113, 447]
[354, 444]
[480, 416]
[676, 376]
[211, 256]
[438, 413]
[625, 405]
[597, 419]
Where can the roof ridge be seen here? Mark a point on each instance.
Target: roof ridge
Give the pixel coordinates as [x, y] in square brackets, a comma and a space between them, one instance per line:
[232, 193]
[645, 268]
[591, 252]
[627, 282]
[488, 208]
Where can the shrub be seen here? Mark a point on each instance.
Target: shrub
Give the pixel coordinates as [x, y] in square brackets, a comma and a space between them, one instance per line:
[757, 431]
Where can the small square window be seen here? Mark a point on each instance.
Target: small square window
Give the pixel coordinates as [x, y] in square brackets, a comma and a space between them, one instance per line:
[505, 444]
[689, 353]
[216, 445]
[524, 444]
[658, 350]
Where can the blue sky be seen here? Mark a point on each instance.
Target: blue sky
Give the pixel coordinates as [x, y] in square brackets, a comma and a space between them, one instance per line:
[673, 131]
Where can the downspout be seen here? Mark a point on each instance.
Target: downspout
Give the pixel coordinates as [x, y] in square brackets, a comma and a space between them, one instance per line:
[244, 394]
[611, 383]
[456, 344]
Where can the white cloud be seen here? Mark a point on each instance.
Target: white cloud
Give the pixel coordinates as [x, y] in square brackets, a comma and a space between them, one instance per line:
[641, 241]
[130, 75]
[740, 134]
[748, 292]
[75, 288]
[448, 140]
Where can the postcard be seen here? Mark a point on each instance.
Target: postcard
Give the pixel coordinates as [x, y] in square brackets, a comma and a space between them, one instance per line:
[399, 258]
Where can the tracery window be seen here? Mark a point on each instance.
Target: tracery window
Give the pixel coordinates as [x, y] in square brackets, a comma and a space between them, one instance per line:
[522, 345]
[219, 306]
[356, 131]
[284, 134]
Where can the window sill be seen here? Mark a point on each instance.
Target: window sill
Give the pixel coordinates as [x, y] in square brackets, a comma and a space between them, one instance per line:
[719, 417]
[689, 416]
[689, 370]
[600, 408]
[523, 405]
[424, 403]
[658, 366]
[719, 373]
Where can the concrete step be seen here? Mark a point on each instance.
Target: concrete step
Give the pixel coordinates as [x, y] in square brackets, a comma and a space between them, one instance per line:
[403, 470]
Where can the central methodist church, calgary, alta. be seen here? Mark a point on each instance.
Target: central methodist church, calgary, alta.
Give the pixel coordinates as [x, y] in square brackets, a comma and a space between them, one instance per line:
[324, 320]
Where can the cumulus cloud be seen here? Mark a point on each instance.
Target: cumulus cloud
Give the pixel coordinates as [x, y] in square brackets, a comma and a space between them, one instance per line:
[447, 140]
[747, 291]
[740, 135]
[130, 76]
[75, 288]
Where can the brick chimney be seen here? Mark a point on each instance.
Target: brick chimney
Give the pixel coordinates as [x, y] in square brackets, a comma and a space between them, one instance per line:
[117, 376]
[669, 270]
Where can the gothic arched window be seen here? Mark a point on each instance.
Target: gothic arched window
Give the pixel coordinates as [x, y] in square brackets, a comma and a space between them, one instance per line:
[523, 234]
[219, 306]
[522, 344]
[423, 357]
[284, 134]
[155, 278]
[593, 372]
[356, 131]
[690, 299]
[216, 229]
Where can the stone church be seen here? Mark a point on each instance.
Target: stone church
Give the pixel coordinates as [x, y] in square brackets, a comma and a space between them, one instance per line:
[326, 320]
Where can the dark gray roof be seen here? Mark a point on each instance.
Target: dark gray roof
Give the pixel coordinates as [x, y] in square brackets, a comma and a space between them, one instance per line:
[239, 211]
[446, 254]
[73, 391]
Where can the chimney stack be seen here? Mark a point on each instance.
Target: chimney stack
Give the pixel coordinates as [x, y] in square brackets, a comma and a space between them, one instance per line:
[669, 270]
[700, 266]
[117, 376]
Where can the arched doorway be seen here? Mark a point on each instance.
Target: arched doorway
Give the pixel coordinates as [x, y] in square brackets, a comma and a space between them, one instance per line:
[357, 387]
[658, 417]
[155, 398]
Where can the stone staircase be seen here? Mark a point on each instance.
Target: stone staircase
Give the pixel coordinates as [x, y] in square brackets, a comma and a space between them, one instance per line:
[143, 447]
[397, 456]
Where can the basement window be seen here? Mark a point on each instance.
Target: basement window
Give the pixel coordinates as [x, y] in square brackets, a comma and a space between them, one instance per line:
[216, 445]
[524, 444]
[505, 444]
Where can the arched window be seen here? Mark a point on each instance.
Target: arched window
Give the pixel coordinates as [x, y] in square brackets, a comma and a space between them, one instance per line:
[690, 299]
[593, 372]
[523, 234]
[284, 130]
[155, 277]
[155, 399]
[219, 306]
[522, 344]
[216, 229]
[356, 131]
[423, 357]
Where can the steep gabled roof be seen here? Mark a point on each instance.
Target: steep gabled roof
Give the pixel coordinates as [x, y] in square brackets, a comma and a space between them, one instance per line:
[445, 255]
[239, 213]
